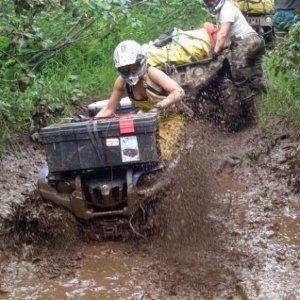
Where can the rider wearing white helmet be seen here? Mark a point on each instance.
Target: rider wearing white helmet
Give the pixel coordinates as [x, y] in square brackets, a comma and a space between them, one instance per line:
[146, 86]
[129, 53]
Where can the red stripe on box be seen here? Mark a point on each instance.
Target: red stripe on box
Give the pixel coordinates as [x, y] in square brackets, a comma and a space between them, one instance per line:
[126, 125]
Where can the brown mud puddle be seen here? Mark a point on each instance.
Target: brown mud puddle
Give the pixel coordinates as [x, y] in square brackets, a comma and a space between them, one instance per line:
[289, 230]
[109, 271]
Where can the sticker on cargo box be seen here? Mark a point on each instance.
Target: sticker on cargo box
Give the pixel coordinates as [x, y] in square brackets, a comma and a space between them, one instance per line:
[130, 149]
[112, 142]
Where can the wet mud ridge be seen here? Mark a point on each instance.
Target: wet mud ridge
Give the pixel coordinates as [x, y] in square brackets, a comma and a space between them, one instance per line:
[229, 227]
[19, 171]
[265, 217]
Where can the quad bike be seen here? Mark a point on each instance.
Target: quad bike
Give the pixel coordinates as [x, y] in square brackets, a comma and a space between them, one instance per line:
[263, 25]
[101, 169]
[210, 90]
[259, 15]
[212, 94]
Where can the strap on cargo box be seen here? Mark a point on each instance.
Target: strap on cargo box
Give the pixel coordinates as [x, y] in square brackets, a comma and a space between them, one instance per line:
[96, 141]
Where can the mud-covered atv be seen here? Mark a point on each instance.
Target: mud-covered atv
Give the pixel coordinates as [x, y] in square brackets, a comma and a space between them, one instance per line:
[100, 169]
[259, 15]
[212, 94]
[210, 89]
[263, 25]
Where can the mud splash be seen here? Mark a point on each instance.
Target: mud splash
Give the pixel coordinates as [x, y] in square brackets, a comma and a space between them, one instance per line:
[39, 241]
[38, 224]
[194, 248]
[289, 230]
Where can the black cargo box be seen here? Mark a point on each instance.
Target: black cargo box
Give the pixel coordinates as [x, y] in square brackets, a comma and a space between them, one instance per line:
[130, 139]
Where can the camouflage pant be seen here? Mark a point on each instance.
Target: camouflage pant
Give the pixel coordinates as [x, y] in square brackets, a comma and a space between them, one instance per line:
[245, 59]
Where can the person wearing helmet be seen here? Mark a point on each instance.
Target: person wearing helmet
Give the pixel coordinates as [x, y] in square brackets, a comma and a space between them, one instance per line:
[246, 46]
[149, 88]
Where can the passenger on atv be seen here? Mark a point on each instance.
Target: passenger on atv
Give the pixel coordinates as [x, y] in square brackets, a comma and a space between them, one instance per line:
[246, 46]
[150, 89]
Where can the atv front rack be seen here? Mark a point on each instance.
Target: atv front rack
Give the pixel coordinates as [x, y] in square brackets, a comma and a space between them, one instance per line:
[195, 75]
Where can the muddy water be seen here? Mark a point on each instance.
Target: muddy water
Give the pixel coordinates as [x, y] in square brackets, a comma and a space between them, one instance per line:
[109, 271]
[255, 256]
[289, 230]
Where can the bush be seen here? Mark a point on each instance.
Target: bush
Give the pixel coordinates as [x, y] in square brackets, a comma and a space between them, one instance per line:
[42, 63]
[282, 100]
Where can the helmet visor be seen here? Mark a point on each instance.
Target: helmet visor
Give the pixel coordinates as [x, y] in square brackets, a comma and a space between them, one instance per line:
[129, 69]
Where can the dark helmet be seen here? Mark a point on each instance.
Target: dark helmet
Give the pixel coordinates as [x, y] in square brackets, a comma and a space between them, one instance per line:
[214, 6]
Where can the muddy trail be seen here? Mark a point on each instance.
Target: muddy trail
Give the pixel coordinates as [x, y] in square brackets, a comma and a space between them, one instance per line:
[228, 228]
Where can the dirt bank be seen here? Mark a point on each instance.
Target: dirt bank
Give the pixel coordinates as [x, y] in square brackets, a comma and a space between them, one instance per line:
[19, 170]
[229, 227]
[265, 218]
[35, 237]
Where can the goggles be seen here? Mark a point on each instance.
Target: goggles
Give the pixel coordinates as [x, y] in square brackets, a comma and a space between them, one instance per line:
[130, 69]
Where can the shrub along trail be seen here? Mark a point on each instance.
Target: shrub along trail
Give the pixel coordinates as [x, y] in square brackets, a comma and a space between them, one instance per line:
[228, 227]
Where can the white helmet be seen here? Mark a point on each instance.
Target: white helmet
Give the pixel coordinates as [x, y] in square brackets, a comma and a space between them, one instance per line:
[130, 53]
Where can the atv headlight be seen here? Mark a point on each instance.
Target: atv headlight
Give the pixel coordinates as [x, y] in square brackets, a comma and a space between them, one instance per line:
[269, 20]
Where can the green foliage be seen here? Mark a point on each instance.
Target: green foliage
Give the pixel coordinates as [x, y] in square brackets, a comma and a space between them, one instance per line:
[255, 153]
[59, 51]
[282, 100]
[33, 31]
